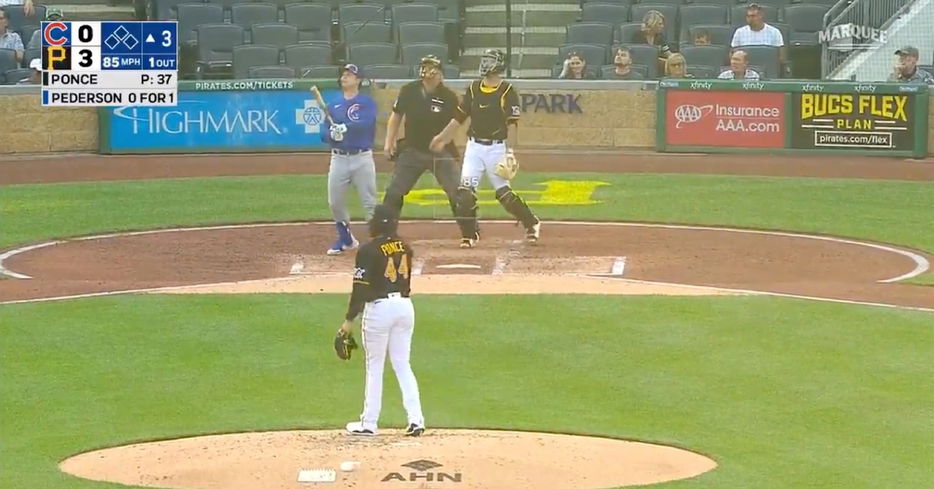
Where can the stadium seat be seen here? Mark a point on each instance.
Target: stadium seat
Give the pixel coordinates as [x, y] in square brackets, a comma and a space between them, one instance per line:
[720, 35]
[388, 71]
[645, 55]
[450, 71]
[247, 56]
[7, 62]
[627, 3]
[357, 32]
[725, 3]
[738, 14]
[449, 10]
[373, 53]
[589, 33]
[663, 2]
[361, 12]
[605, 12]
[319, 71]
[31, 54]
[271, 71]
[713, 56]
[300, 55]
[607, 72]
[670, 11]
[247, 14]
[765, 57]
[13, 77]
[596, 55]
[26, 32]
[166, 9]
[192, 15]
[312, 20]
[626, 33]
[17, 18]
[413, 53]
[412, 32]
[692, 15]
[414, 12]
[702, 71]
[806, 21]
[275, 34]
[34, 41]
[927, 68]
[216, 43]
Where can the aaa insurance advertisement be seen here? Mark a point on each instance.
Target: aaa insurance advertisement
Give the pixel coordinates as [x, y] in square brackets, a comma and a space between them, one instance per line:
[727, 119]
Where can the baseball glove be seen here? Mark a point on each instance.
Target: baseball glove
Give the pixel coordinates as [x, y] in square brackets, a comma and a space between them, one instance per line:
[508, 166]
[344, 344]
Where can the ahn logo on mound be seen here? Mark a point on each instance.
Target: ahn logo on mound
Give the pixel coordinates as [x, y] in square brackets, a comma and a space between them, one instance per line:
[423, 471]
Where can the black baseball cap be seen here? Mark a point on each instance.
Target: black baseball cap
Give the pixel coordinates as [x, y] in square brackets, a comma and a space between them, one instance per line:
[908, 51]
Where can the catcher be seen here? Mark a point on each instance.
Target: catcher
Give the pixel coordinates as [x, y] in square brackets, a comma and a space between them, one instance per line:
[381, 287]
[492, 104]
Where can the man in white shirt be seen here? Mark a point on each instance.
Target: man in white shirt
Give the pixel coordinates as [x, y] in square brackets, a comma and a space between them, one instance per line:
[28, 7]
[739, 68]
[757, 33]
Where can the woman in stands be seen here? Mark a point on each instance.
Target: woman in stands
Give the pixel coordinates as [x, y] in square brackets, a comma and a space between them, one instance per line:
[677, 67]
[575, 67]
[653, 33]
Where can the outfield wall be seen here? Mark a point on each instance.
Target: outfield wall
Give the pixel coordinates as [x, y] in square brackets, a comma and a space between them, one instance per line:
[575, 115]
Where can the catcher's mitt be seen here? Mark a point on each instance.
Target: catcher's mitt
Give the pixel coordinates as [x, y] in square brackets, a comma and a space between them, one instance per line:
[344, 344]
[508, 166]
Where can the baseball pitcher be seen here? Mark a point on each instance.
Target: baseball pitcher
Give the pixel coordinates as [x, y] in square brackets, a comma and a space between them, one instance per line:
[381, 288]
[350, 128]
[492, 105]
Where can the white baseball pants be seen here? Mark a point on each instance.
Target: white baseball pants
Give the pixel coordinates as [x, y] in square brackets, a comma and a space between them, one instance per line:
[388, 325]
[480, 159]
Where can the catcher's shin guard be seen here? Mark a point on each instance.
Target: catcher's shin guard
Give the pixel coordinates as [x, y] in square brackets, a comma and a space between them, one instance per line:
[516, 206]
[465, 212]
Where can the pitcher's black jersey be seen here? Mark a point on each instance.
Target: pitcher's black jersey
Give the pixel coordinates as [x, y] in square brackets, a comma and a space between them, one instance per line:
[489, 109]
[383, 267]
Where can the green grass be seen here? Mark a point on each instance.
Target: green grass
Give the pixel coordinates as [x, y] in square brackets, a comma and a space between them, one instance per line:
[926, 279]
[896, 212]
[782, 393]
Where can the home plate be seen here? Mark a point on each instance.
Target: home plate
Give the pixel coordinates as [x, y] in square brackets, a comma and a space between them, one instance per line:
[462, 266]
[317, 475]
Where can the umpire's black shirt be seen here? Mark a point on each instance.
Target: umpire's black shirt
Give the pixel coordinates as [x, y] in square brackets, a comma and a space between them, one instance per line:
[426, 114]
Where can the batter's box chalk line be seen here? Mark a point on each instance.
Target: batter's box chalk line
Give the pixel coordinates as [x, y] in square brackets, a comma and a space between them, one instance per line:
[317, 475]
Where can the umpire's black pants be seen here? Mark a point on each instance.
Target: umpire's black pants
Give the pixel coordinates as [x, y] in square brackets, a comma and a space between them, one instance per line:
[411, 163]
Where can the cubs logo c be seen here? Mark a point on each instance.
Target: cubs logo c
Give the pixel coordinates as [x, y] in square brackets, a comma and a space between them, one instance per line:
[353, 112]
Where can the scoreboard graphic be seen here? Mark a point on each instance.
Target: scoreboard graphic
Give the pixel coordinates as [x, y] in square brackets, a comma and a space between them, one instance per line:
[109, 64]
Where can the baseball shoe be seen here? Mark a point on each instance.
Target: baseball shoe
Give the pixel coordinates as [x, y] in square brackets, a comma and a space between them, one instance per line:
[336, 248]
[414, 430]
[468, 243]
[356, 428]
[532, 234]
[354, 244]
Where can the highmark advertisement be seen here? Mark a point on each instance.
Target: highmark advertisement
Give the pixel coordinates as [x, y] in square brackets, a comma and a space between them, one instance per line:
[222, 117]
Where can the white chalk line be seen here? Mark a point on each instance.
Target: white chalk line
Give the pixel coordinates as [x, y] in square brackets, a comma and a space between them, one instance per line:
[417, 266]
[921, 263]
[503, 259]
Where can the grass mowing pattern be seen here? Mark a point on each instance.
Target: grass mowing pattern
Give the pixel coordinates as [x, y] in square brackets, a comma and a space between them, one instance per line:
[783, 393]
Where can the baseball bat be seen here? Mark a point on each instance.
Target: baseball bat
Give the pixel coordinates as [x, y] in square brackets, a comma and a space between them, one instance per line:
[324, 106]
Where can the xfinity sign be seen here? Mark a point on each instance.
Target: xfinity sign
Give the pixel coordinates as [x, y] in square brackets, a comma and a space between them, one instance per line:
[848, 37]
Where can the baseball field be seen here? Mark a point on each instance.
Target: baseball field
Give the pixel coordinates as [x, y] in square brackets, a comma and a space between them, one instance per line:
[700, 321]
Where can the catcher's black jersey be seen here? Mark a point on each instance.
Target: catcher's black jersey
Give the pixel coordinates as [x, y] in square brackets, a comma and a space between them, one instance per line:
[383, 267]
[489, 109]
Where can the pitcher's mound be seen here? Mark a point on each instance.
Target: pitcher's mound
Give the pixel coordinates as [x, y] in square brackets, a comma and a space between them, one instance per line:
[439, 459]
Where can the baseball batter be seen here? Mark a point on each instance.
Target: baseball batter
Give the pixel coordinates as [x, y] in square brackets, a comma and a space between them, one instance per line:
[381, 287]
[351, 139]
[492, 105]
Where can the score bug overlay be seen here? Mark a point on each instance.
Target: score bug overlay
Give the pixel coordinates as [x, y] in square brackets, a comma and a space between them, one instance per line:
[109, 63]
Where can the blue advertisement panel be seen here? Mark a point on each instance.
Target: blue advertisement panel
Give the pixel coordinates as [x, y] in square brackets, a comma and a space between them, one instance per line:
[218, 121]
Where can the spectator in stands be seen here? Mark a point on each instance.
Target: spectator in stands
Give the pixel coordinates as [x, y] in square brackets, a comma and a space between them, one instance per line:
[10, 40]
[701, 37]
[35, 77]
[28, 7]
[757, 33]
[739, 68]
[677, 67]
[623, 66]
[653, 33]
[575, 67]
[906, 68]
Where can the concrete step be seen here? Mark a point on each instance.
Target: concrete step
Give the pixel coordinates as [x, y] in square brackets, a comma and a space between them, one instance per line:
[532, 14]
[96, 11]
[516, 73]
[475, 3]
[522, 57]
[521, 36]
